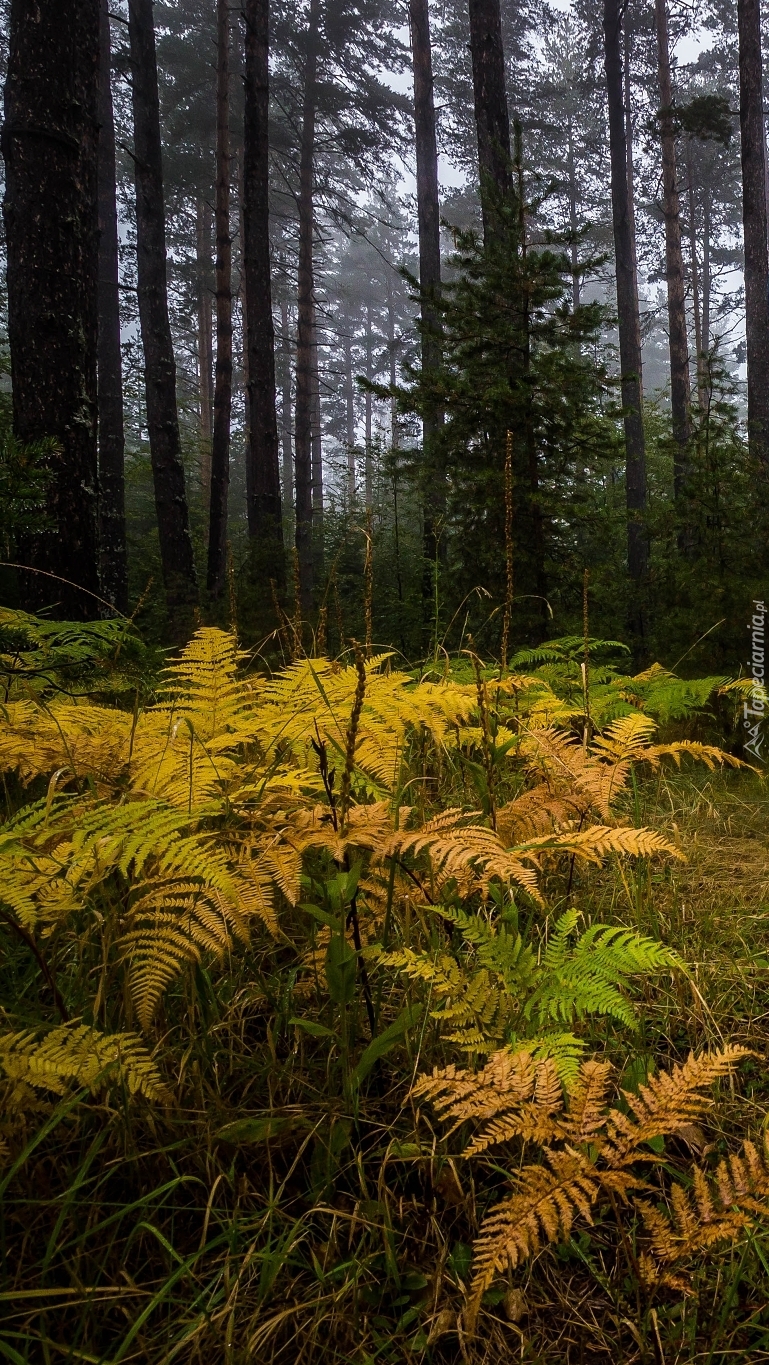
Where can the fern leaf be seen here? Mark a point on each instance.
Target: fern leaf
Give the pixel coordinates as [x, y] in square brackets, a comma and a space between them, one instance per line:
[76, 1054]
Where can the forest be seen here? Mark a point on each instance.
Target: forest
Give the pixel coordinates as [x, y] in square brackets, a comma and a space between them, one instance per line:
[384, 557]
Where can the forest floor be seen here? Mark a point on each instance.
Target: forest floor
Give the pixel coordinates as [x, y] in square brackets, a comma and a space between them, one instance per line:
[277, 1183]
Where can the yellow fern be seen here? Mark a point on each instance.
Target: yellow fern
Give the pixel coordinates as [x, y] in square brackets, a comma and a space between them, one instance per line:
[587, 1149]
[76, 1054]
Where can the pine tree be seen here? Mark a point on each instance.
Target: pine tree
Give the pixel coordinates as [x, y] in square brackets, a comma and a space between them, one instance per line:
[50, 147]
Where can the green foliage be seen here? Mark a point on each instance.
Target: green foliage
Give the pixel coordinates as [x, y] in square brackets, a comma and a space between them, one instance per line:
[46, 658]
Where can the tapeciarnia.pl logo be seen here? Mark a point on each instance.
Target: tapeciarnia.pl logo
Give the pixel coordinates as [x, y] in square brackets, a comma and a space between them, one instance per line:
[754, 710]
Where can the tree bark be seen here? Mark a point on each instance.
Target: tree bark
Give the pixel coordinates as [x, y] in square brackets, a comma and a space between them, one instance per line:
[492, 119]
[159, 364]
[286, 432]
[680, 397]
[627, 300]
[754, 219]
[264, 506]
[349, 398]
[317, 443]
[695, 277]
[368, 467]
[50, 147]
[573, 221]
[428, 216]
[112, 527]
[706, 273]
[220, 445]
[205, 346]
[306, 317]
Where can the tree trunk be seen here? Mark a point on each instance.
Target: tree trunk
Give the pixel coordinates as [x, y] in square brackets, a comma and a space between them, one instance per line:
[306, 316]
[754, 219]
[627, 300]
[50, 147]
[630, 163]
[392, 348]
[317, 442]
[428, 215]
[112, 529]
[264, 509]
[492, 120]
[680, 397]
[695, 275]
[349, 396]
[159, 365]
[220, 445]
[287, 435]
[706, 272]
[573, 221]
[205, 346]
[368, 472]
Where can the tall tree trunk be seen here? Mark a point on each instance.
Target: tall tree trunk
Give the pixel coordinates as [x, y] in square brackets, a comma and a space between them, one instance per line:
[627, 300]
[492, 119]
[368, 472]
[349, 398]
[112, 528]
[680, 397]
[573, 220]
[220, 445]
[286, 431]
[159, 365]
[306, 316]
[754, 220]
[695, 277]
[316, 443]
[706, 281]
[205, 345]
[630, 163]
[50, 147]
[264, 508]
[428, 215]
[392, 350]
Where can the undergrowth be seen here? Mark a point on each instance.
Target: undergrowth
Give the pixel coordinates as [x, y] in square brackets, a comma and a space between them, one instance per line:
[357, 1015]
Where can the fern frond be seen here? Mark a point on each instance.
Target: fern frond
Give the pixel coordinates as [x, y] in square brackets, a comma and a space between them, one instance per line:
[76, 1054]
[588, 976]
[667, 1102]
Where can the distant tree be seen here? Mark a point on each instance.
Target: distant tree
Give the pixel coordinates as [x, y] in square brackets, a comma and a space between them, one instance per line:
[50, 147]
[627, 302]
[680, 398]
[492, 118]
[428, 217]
[262, 456]
[112, 526]
[220, 444]
[754, 217]
[176, 553]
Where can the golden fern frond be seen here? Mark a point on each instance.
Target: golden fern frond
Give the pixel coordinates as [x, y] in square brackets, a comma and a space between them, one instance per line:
[77, 1054]
[546, 1201]
[203, 686]
[597, 841]
[538, 811]
[172, 923]
[625, 737]
[74, 738]
[708, 754]
[588, 1115]
[667, 1102]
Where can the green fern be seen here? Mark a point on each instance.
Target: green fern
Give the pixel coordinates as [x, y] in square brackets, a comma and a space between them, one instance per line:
[592, 975]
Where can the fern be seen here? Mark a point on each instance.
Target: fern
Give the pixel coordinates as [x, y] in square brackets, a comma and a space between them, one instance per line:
[75, 1054]
[590, 1149]
[591, 977]
[496, 992]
